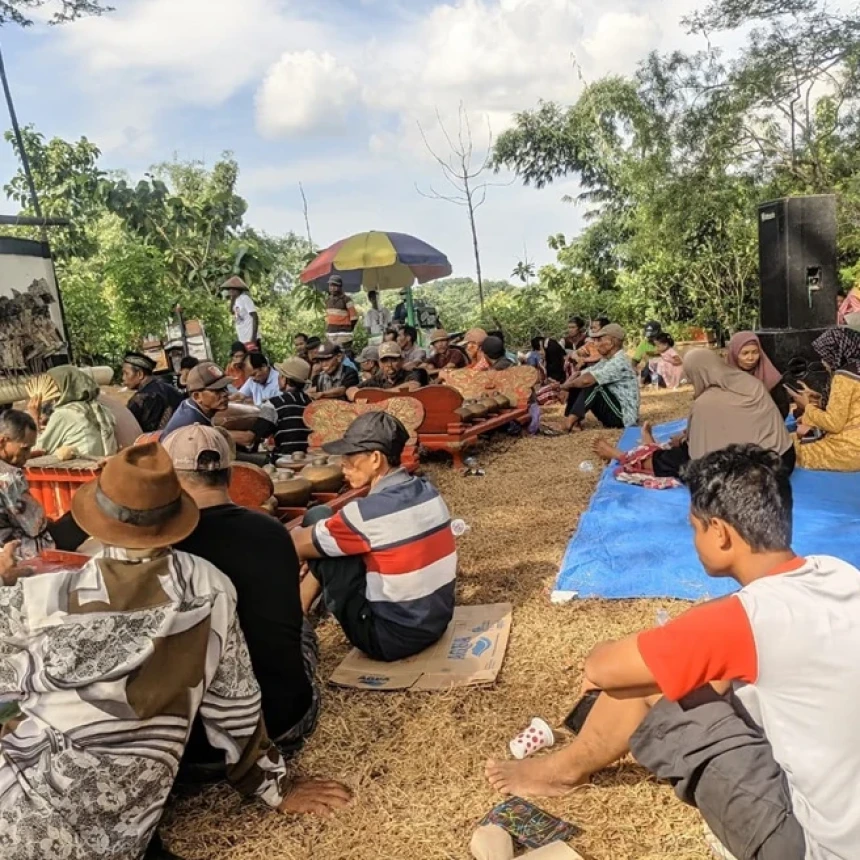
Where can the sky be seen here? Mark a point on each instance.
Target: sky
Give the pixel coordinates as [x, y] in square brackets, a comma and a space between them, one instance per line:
[331, 93]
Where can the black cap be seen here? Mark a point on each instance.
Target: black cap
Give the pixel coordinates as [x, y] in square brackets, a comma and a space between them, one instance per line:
[373, 431]
[493, 347]
[140, 361]
[337, 280]
[652, 328]
[328, 350]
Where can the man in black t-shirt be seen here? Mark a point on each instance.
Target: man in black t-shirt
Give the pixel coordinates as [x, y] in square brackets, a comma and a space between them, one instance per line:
[154, 401]
[257, 554]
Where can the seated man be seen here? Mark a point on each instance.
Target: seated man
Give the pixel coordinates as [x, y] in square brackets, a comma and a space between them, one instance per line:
[262, 382]
[746, 705]
[609, 389]
[207, 396]
[22, 518]
[282, 645]
[413, 355]
[444, 356]
[154, 401]
[237, 368]
[186, 364]
[493, 351]
[291, 432]
[471, 345]
[386, 563]
[368, 363]
[110, 665]
[391, 372]
[335, 377]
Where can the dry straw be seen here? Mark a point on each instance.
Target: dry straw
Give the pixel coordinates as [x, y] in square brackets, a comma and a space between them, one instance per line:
[416, 760]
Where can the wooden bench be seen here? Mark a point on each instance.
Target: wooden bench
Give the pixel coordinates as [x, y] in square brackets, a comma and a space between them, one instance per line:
[442, 429]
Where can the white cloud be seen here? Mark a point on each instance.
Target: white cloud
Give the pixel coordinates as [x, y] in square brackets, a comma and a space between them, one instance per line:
[305, 92]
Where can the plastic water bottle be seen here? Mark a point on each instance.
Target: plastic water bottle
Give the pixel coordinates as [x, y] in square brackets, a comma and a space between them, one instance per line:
[655, 382]
[460, 528]
[663, 618]
[586, 466]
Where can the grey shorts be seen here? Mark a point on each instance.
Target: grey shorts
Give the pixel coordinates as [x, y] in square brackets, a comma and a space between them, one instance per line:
[719, 761]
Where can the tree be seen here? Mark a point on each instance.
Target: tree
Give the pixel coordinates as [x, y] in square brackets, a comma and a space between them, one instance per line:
[19, 11]
[463, 170]
[524, 270]
[672, 161]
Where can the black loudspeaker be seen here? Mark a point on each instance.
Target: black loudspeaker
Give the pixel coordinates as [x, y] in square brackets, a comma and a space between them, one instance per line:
[792, 353]
[797, 262]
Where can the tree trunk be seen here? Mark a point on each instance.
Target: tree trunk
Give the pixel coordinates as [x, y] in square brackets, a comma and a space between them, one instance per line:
[471, 209]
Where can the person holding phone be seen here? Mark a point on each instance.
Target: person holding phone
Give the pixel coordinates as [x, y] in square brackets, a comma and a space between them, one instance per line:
[836, 411]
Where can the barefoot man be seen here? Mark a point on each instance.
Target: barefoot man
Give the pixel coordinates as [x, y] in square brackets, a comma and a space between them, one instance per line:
[746, 705]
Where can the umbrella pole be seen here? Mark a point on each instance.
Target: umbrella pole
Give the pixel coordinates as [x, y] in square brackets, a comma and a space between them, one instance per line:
[410, 308]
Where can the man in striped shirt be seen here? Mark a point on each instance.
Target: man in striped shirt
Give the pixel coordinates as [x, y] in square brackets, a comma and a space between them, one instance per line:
[292, 433]
[385, 564]
[340, 313]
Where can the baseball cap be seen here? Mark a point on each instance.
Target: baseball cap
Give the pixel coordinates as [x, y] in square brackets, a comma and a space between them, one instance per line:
[207, 376]
[438, 334]
[493, 347]
[373, 431]
[652, 328]
[369, 353]
[328, 350]
[390, 350]
[296, 369]
[612, 330]
[186, 445]
[474, 335]
[337, 280]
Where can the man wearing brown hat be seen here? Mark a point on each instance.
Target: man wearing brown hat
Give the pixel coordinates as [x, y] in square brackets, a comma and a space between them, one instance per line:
[245, 316]
[291, 432]
[110, 664]
[445, 356]
[391, 372]
[609, 389]
[471, 343]
[154, 401]
[207, 388]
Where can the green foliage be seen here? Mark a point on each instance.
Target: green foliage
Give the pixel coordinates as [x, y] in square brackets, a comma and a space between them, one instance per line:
[673, 161]
[18, 11]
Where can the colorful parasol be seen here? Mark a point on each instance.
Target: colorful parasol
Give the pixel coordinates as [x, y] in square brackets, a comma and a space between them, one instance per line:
[377, 261]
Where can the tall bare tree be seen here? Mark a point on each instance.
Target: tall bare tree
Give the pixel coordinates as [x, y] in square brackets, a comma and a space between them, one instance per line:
[464, 170]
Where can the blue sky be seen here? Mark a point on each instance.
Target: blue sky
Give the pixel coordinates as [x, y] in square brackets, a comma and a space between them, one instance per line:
[330, 93]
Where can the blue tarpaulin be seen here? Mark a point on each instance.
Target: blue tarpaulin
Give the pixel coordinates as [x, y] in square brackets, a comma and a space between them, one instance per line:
[634, 542]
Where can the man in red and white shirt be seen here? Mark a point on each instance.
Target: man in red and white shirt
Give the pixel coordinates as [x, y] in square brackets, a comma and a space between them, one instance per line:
[747, 705]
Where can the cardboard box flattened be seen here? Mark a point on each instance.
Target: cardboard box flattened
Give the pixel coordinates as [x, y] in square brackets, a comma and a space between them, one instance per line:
[470, 652]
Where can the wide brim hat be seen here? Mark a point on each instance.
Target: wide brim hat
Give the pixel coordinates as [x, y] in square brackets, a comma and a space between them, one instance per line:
[295, 369]
[234, 283]
[136, 502]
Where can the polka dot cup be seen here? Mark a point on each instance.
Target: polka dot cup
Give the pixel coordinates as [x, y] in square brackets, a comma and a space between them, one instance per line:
[531, 739]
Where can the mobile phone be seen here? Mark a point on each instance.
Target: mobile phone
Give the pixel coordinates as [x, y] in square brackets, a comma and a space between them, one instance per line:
[575, 720]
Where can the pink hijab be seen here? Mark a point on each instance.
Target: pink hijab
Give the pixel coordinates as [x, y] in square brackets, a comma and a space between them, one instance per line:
[764, 371]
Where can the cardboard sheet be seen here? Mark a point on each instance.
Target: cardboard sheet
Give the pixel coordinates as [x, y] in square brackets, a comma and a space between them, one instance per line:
[469, 653]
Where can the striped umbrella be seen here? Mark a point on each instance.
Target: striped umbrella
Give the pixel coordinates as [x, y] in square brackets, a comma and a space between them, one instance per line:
[377, 260]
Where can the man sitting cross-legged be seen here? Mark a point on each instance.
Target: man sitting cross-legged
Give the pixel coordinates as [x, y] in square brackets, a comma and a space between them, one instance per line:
[386, 563]
[282, 644]
[110, 665]
[746, 705]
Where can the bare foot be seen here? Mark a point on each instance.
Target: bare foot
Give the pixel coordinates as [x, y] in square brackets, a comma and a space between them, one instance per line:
[313, 796]
[603, 449]
[539, 777]
[647, 433]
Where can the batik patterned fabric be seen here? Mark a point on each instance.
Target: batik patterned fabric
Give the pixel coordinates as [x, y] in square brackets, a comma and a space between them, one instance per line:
[636, 469]
[109, 664]
[21, 516]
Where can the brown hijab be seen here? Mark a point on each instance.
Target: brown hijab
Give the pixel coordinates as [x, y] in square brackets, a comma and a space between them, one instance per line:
[765, 371]
[730, 407]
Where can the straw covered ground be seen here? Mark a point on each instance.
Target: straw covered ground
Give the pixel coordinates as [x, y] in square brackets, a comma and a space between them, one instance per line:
[415, 760]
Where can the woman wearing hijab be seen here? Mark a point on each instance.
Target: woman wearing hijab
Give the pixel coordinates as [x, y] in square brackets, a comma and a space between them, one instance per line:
[729, 407]
[77, 419]
[837, 411]
[746, 353]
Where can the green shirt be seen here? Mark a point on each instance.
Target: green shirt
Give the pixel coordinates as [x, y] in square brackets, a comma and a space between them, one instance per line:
[644, 350]
[87, 427]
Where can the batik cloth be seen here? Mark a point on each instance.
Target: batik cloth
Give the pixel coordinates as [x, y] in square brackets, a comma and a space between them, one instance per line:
[110, 664]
